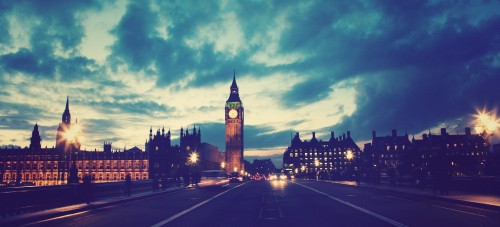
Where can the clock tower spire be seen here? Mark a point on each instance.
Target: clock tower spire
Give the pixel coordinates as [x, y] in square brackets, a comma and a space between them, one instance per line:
[234, 116]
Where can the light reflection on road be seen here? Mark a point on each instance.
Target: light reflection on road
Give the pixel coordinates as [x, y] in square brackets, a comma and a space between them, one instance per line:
[278, 184]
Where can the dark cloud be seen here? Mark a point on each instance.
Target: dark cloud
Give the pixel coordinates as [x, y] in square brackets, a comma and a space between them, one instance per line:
[254, 136]
[131, 106]
[5, 38]
[413, 64]
[19, 116]
[26, 61]
[58, 29]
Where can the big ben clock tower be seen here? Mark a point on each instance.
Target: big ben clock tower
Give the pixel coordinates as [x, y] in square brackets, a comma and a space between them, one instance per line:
[234, 116]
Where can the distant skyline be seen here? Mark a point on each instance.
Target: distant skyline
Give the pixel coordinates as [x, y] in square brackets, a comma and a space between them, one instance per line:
[303, 66]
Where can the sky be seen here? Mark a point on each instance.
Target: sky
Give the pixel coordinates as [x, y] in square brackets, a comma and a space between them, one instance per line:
[301, 66]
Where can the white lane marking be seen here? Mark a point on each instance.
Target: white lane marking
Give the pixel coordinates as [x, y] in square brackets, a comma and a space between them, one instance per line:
[56, 218]
[461, 211]
[193, 207]
[390, 221]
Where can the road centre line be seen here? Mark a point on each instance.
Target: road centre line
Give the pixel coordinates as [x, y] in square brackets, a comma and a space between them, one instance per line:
[193, 207]
[388, 220]
[461, 211]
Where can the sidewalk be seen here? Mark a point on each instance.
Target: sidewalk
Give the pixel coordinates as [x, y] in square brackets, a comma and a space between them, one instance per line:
[71, 209]
[465, 198]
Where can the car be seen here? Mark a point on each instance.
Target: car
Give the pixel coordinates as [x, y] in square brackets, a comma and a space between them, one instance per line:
[235, 177]
[213, 179]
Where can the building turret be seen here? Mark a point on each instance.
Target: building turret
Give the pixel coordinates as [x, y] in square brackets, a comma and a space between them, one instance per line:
[36, 141]
[66, 117]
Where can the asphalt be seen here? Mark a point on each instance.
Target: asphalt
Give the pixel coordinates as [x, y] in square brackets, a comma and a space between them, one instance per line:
[280, 203]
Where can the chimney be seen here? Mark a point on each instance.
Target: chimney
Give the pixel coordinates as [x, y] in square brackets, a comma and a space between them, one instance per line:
[443, 132]
[467, 131]
[332, 135]
[348, 134]
[314, 134]
[343, 136]
[394, 133]
[374, 134]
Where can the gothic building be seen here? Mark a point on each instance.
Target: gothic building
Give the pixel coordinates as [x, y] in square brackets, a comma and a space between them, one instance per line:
[234, 116]
[167, 160]
[66, 162]
[335, 156]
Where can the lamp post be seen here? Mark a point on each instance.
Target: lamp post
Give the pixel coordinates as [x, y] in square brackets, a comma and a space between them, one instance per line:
[349, 155]
[192, 161]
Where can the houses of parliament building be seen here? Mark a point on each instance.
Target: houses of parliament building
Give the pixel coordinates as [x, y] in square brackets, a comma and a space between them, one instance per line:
[67, 163]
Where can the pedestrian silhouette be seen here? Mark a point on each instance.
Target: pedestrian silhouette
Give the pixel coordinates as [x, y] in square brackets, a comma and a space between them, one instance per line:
[128, 185]
[87, 188]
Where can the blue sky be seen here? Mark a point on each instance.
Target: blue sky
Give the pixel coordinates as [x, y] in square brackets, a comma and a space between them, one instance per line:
[301, 66]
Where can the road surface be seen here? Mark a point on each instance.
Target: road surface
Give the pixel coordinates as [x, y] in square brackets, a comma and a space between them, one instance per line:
[281, 203]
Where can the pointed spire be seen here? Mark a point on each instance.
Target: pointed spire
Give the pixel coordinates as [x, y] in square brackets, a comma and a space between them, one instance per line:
[66, 117]
[234, 85]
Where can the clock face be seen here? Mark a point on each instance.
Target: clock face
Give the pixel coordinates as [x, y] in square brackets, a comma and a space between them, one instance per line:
[233, 113]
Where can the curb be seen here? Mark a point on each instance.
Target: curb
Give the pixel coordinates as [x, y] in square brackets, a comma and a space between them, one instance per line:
[15, 221]
[432, 197]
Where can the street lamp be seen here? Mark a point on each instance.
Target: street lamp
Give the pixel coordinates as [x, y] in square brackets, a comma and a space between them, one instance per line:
[223, 165]
[486, 122]
[193, 158]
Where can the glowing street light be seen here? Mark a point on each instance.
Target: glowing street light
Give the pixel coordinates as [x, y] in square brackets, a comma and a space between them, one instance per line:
[235, 169]
[486, 122]
[223, 165]
[193, 158]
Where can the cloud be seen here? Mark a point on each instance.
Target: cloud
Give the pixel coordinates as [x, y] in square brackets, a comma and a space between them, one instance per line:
[343, 65]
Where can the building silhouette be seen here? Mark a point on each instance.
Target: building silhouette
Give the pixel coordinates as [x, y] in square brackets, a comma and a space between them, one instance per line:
[67, 163]
[234, 116]
[337, 156]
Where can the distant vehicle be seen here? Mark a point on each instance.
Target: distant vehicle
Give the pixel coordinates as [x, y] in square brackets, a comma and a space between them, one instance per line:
[213, 178]
[28, 184]
[235, 177]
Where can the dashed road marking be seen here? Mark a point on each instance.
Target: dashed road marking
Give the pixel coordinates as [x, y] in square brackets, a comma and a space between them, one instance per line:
[193, 207]
[388, 220]
[461, 211]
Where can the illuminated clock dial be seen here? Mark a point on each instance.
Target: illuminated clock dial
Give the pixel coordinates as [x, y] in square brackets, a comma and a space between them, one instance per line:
[233, 113]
